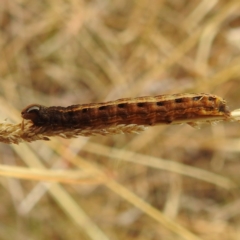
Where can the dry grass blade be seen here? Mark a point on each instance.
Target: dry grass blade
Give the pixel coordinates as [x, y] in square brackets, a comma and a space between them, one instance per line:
[60, 176]
[13, 133]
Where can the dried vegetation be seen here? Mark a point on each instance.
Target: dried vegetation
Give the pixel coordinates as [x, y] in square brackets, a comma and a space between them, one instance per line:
[169, 182]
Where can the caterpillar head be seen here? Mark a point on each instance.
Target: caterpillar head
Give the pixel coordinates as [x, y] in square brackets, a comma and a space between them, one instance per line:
[31, 112]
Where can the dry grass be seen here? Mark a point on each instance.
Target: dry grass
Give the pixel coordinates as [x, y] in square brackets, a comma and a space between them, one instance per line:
[169, 182]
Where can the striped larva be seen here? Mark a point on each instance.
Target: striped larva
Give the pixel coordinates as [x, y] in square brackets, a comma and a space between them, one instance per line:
[162, 109]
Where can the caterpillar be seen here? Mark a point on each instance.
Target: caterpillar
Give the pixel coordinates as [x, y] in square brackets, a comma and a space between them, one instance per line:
[148, 111]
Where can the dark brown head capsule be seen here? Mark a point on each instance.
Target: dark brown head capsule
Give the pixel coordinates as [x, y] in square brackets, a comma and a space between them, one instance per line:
[31, 112]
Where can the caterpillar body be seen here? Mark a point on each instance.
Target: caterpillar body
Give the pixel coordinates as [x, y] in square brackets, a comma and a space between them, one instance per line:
[162, 109]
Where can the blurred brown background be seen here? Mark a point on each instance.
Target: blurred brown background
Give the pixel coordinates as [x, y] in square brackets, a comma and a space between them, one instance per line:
[169, 182]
